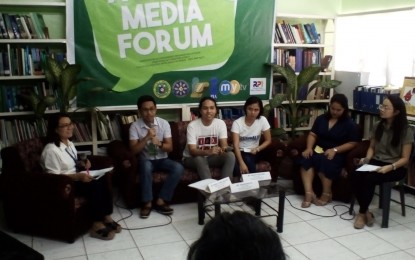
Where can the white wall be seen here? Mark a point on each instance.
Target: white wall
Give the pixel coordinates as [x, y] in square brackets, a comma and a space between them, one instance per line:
[358, 6]
[309, 7]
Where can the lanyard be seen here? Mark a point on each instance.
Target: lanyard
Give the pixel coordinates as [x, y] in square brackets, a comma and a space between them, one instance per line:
[71, 154]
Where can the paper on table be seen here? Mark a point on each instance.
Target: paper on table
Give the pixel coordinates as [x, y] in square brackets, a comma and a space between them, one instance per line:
[99, 173]
[211, 185]
[367, 168]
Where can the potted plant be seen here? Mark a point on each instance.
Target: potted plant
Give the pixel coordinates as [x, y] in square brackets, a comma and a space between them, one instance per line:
[308, 78]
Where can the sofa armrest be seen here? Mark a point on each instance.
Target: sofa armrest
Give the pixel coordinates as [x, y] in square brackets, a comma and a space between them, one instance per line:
[35, 187]
[100, 162]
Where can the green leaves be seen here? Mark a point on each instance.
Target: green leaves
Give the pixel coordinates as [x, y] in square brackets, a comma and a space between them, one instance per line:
[308, 77]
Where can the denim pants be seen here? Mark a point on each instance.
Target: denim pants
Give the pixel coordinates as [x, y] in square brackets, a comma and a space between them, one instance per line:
[250, 161]
[147, 167]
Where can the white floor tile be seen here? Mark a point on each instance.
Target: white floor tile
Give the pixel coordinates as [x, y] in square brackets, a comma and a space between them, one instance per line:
[399, 236]
[334, 227]
[306, 234]
[53, 249]
[294, 254]
[127, 254]
[156, 235]
[401, 255]
[171, 251]
[326, 249]
[188, 229]
[365, 244]
[299, 233]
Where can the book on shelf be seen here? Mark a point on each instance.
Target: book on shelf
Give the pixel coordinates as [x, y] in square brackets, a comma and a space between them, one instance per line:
[306, 36]
[325, 62]
[3, 29]
[9, 27]
[30, 26]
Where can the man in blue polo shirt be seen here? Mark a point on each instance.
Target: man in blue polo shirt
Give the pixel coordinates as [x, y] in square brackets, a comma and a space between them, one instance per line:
[151, 141]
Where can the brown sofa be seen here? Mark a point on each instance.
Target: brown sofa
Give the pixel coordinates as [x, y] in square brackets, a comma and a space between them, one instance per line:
[40, 203]
[341, 187]
[127, 175]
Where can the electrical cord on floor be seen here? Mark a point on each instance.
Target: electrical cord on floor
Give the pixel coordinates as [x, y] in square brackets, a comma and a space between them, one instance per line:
[325, 216]
[346, 212]
[169, 219]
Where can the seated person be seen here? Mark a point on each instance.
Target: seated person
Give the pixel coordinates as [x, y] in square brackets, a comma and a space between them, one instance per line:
[60, 157]
[237, 236]
[332, 135]
[150, 140]
[207, 142]
[246, 133]
[390, 148]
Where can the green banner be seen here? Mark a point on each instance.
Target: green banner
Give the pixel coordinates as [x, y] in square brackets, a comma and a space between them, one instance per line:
[177, 51]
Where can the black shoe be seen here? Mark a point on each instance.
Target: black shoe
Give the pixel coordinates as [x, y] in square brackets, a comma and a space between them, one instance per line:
[145, 212]
[163, 209]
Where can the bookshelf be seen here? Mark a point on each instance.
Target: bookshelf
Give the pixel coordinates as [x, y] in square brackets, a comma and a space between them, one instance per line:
[294, 45]
[29, 32]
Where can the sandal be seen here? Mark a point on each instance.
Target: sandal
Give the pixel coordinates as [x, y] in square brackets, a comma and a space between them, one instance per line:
[324, 199]
[103, 233]
[309, 198]
[114, 226]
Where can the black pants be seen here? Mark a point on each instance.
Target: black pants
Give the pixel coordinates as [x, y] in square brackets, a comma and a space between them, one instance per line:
[364, 183]
[98, 196]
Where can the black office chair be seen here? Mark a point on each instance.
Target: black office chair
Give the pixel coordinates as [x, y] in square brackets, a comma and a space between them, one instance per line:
[384, 200]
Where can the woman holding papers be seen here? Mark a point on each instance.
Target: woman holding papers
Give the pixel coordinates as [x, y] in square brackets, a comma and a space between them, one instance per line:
[390, 148]
[332, 135]
[246, 134]
[60, 157]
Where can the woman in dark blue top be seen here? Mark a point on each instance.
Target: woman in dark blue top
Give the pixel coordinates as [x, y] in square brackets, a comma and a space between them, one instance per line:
[332, 135]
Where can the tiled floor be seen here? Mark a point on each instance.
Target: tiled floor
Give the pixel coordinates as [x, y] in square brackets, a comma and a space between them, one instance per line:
[318, 233]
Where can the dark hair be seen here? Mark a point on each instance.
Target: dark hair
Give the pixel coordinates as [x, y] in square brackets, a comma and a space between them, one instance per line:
[53, 124]
[340, 99]
[143, 99]
[236, 236]
[254, 100]
[399, 123]
[203, 99]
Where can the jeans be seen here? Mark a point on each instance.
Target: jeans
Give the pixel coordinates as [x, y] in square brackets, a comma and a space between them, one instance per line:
[250, 161]
[147, 167]
[201, 164]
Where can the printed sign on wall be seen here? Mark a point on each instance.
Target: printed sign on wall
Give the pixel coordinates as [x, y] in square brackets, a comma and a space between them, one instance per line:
[175, 50]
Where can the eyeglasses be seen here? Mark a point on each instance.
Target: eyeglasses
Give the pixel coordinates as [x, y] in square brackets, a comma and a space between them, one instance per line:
[66, 125]
[382, 107]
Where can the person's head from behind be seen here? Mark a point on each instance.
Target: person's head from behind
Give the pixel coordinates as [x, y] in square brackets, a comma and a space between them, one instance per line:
[60, 128]
[207, 109]
[147, 108]
[338, 107]
[253, 107]
[236, 236]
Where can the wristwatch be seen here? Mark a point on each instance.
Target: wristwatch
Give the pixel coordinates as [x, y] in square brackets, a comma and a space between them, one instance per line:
[335, 149]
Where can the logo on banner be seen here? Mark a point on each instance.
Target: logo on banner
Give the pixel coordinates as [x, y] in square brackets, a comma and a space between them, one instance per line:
[258, 86]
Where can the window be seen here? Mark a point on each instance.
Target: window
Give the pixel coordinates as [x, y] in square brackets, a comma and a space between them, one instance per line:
[382, 44]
